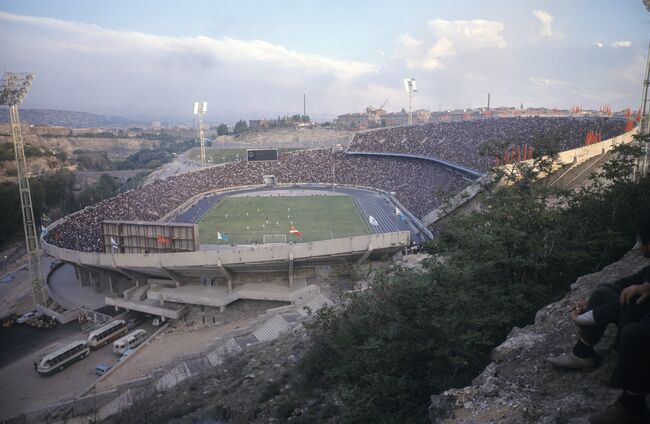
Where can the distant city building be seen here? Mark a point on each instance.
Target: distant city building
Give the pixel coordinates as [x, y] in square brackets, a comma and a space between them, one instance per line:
[374, 118]
[259, 124]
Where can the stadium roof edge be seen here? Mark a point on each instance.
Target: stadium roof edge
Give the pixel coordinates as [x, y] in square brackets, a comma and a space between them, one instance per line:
[455, 166]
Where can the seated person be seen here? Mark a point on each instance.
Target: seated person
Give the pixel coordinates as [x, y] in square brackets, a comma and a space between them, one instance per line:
[608, 304]
[632, 371]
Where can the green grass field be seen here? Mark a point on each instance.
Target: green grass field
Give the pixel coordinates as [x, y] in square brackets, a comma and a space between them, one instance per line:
[220, 155]
[248, 219]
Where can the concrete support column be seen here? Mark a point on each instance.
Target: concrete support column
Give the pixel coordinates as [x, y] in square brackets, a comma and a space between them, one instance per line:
[291, 270]
[95, 281]
[227, 273]
[84, 277]
[111, 285]
[364, 257]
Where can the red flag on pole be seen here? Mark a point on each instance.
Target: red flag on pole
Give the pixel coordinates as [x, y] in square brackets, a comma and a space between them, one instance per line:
[294, 231]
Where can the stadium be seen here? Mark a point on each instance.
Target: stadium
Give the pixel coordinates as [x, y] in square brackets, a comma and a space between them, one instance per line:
[269, 230]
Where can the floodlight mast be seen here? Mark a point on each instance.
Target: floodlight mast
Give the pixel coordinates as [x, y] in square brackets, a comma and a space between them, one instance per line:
[644, 124]
[12, 91]
[200, 109]
[410, 87]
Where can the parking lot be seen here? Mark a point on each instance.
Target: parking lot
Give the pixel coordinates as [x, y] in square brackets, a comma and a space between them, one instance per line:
[23, 389]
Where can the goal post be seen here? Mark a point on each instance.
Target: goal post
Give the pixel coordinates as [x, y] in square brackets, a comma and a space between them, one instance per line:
[274, 239]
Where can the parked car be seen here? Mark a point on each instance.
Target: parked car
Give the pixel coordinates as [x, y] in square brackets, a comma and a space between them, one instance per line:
[133, 322]
[26, 316]
[156, 322]
[102, 369]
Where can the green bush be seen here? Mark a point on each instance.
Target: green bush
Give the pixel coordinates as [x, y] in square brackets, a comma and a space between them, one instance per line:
[416, 334]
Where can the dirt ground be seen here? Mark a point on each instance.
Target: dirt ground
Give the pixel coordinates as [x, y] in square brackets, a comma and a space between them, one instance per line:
[15, 281]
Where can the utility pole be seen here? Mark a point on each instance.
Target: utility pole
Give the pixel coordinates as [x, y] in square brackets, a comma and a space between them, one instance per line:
[12, 91]
[304, 105]
[488, 107]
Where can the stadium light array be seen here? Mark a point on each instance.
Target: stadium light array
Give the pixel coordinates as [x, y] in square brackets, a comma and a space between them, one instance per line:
[200, 109]
[410, 87]
[14, 87]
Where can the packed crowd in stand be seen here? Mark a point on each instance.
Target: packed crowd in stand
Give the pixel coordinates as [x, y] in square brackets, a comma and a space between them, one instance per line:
[460, 142]
[419, 185]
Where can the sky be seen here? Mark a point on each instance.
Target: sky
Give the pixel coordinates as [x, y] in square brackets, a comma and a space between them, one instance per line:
[256, 59]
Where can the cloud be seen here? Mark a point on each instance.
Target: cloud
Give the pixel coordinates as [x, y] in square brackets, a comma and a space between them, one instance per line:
[546, 19]
[206, 50]
[451, 38]
[407, 41]
[619, 44]
[443, 48]
[545, 82]
[598, 44]
[477, 33]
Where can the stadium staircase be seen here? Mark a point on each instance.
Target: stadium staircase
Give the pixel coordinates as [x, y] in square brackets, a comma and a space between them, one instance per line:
[170, 379]
[314, 305]
[223, 350]
[272, 329]
[576, 175]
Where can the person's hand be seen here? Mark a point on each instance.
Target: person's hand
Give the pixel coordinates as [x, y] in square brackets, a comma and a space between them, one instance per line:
[640, 290]
[577, 308]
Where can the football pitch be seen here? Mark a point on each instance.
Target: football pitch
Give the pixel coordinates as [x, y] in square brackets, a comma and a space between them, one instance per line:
[243, 220]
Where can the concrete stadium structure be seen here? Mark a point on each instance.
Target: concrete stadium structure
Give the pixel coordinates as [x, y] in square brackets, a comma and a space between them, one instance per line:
[202, 283]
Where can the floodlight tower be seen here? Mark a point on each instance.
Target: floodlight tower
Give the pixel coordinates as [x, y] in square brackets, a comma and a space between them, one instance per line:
[200, 108]
[644, 124]
[12, 91]
[410, 87]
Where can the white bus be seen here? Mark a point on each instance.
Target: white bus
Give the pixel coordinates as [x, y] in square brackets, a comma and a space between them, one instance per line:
[129, 341]
[62, 357]
[111, 331]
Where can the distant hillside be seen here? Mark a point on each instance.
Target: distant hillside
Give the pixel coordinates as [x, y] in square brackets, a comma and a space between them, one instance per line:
[68, 119]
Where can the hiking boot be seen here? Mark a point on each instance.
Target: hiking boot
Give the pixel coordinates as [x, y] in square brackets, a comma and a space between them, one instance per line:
[573, 362]
[616, 413]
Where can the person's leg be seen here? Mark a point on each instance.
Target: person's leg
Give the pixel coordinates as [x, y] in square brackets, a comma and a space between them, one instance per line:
[632, 374]
[583, 356]
[603, 301]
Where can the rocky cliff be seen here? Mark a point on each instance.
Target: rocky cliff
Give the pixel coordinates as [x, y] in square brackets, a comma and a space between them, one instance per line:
[519, 386]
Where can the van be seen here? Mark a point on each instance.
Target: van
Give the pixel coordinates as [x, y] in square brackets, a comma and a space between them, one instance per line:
[102, 369]
[126, 355]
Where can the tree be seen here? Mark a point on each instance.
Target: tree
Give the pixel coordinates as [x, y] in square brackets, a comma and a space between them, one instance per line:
[240, 127]
[222, 129]
[416, 334]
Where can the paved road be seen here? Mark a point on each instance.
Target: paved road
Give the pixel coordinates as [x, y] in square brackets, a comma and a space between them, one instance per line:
[22, 389]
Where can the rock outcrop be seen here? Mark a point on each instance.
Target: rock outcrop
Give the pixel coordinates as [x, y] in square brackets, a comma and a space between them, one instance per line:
[520, 386]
